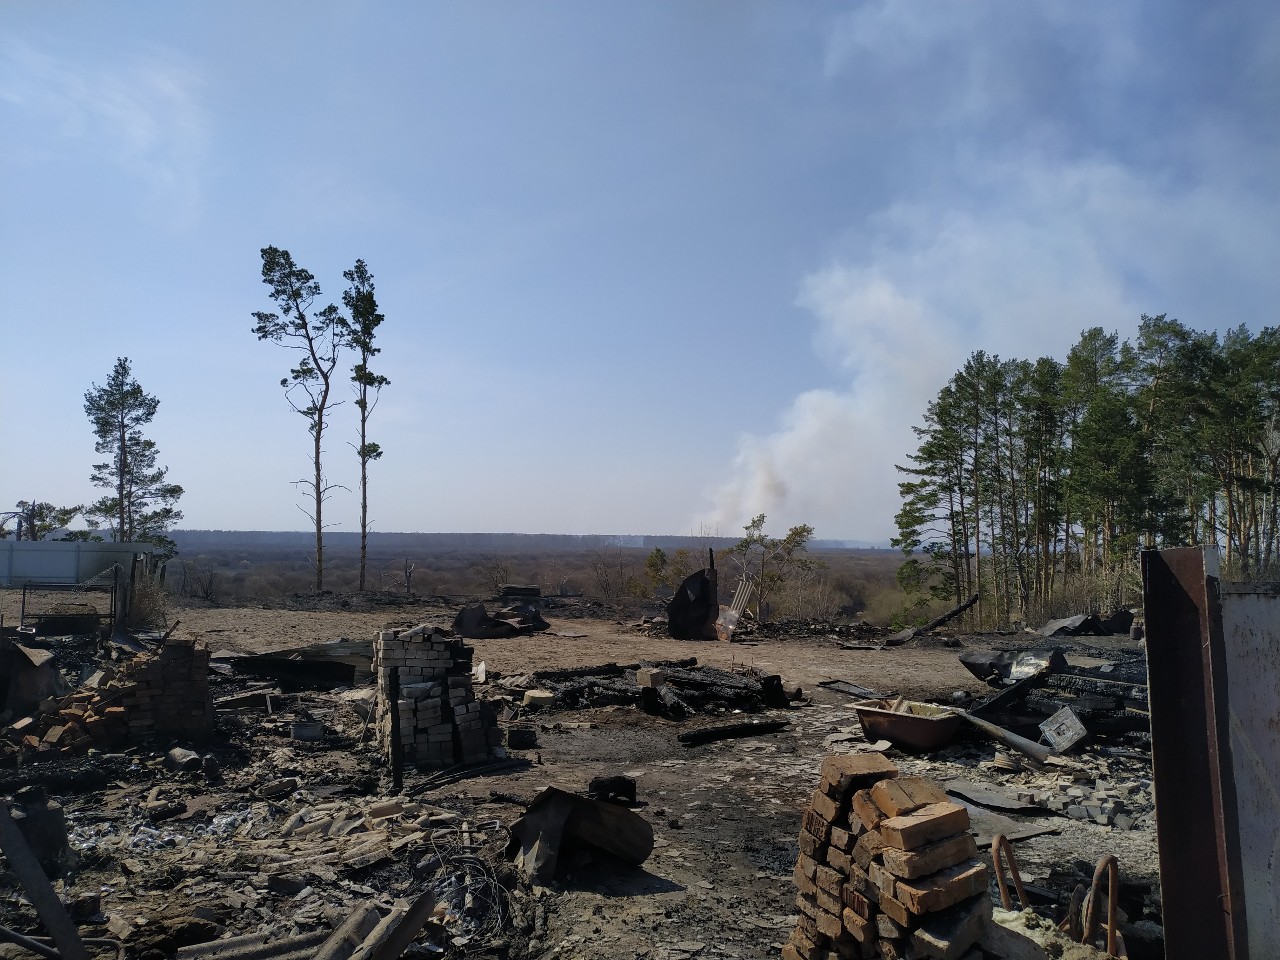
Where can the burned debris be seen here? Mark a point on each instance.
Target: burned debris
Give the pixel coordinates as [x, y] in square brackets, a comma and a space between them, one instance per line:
[1103, 699]
[277, 824]
[166, 692]
[672, 688]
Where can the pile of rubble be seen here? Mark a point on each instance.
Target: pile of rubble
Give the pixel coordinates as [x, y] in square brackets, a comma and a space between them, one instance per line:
[165, 693]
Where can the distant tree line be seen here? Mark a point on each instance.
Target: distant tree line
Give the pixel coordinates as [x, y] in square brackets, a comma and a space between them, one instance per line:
[1035, 484]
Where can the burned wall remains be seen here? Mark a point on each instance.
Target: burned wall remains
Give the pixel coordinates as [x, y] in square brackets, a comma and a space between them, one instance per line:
[441, 723]
[164, 693]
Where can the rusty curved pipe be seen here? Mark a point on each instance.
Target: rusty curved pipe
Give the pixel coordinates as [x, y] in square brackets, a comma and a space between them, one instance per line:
[1001, 843]
[1109, 867]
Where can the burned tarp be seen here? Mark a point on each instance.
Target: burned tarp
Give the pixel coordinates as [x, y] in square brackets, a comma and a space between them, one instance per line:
[557, 821]
[474, 622]
[994, 667]
[1080, 625]
[692, 612]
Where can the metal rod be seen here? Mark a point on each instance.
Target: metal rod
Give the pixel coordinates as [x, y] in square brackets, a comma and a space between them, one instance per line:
[35, 946]
[1000, 843]
[1109, 867]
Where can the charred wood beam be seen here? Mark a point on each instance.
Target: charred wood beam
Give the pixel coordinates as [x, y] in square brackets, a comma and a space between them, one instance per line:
[731, 731]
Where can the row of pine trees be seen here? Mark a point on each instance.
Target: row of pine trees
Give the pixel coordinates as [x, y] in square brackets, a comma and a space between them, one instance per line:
[1036, 484]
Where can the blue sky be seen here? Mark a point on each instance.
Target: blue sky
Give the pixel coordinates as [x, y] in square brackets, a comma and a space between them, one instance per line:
[646, 267]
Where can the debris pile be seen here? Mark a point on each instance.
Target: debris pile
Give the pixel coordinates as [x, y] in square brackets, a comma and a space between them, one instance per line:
[425, 676]
[673, 688]
[1109, 699]
[475, 623]
[886, 868]
[165, 693]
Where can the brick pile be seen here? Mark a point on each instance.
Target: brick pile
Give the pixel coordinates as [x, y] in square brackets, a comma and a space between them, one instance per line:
[887, 869]
[161, 694]
[441, 722]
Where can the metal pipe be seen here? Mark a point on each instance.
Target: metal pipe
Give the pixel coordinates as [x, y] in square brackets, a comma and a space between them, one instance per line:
[1109, 867]
[35, 946]
[1001, 843]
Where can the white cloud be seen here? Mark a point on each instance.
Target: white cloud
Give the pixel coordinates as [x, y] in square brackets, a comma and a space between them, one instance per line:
[142, 114]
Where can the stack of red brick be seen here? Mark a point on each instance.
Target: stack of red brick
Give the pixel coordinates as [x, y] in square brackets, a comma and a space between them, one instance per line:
[886, 869]
[165, 694]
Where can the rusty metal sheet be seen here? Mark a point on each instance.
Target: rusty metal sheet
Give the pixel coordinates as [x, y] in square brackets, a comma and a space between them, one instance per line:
[1196, 833]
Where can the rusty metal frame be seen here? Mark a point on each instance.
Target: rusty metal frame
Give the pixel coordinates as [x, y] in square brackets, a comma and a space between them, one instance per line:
[1196, 824]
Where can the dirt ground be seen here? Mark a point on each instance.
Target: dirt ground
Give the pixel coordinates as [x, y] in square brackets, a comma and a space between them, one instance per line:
[726, 815]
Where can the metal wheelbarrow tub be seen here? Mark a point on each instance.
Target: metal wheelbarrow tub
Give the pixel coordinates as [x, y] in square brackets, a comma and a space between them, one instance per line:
[913, 726]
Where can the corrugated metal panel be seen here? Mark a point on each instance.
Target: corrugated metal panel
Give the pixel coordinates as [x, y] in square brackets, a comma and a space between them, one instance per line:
[1251, 631]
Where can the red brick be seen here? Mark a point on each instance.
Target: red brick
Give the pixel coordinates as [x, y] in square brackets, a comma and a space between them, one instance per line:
[867, 849]
[865, 809]
[910, 864]
[808, 904]
[929, 823]
[882, 878]
[805, 924]
[892, 799]
[859, 904]
[923, 790]
[816, 825]
[853, 771]
[830, 902]
[829, 880]
[858, 881]
[895, 909]
[940, 890]
[860, 928]
[811, 846]
[804, 884]
[841, 839]
[824, 806]
[829, 924]
[839, 861]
